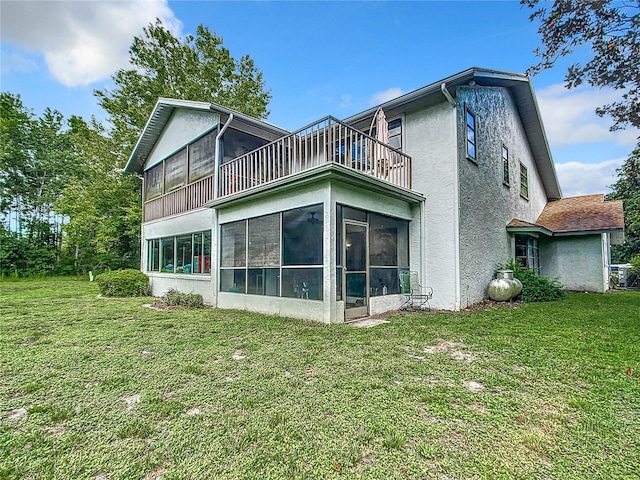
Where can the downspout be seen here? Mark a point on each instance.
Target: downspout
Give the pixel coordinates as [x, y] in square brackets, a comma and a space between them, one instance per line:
[456, 196]
[216, 230]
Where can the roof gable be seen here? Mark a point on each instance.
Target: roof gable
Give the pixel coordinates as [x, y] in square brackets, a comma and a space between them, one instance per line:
[579, 214]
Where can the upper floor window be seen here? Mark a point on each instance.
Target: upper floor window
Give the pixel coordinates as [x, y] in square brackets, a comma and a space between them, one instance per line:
[471, 135]
[395, 133]
[524, 181]
[505, 165]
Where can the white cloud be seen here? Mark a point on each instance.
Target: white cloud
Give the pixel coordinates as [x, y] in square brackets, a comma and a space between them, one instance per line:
[569, 116]
[81, 42]
[578, 178]
[385, 96]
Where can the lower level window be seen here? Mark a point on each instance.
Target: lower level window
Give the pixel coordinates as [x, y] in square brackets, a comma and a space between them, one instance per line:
[190, 253]
[278, 255]
[527, 252]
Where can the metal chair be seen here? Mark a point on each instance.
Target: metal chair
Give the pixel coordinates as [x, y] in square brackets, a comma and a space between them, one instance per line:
[416, 295]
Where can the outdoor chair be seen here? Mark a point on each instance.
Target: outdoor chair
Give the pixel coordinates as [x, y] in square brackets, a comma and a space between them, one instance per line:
[416, 296]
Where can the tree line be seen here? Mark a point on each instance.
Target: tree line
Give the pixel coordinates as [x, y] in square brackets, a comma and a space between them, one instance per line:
[66, 204]
[67, 207]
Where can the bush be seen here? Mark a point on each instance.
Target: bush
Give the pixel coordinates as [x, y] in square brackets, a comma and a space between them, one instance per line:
[123, 283]
[535, 288]
[189, 300]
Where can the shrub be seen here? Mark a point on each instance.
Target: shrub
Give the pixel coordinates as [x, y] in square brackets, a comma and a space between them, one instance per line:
[535, 288]
[123, 283]
[189, 300]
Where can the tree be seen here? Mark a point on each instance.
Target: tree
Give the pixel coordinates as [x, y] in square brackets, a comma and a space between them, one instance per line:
[196, 68]
[611, 28]
[102, 204]
[36, 162]
[627, 189]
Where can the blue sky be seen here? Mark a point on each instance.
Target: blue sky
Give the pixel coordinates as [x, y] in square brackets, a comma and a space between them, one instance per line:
[318, 58]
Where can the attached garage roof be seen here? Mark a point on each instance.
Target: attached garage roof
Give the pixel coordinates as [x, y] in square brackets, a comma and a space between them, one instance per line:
[576, 216]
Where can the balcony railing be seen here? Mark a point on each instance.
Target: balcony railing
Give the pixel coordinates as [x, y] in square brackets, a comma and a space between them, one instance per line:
[189, 197]
[327, 141]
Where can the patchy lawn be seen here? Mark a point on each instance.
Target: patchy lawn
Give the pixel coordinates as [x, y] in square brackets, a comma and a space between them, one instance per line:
[99, 389]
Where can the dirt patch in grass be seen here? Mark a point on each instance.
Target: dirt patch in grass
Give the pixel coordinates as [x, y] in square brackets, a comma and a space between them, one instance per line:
[451, 348]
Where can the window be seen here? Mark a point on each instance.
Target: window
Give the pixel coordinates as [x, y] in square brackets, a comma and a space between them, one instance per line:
[264, 241]
[505, 165]
[277, 255]
[167, 255]
[395, 133]
[153, 182]
[187, 165]
[175, 169]
[233, 244]
[153, 255]
[527, 252]
[184, 253]
[471, 135]
[388, 253]
[189, 253]
[201, 157]
[388, 250]
[236, 143]
[524, 182]
[302, 236]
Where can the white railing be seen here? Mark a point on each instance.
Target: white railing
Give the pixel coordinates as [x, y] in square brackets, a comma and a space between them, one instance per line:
[326, 141]
[189, 197]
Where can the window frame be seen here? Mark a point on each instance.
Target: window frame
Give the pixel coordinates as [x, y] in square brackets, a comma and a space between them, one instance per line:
[506, 173]
[469, 112]
[160, 242]
[312, 290]
[524, 181]
[531, 257]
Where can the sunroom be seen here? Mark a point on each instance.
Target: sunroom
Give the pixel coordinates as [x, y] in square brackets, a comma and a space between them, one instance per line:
[328, 246]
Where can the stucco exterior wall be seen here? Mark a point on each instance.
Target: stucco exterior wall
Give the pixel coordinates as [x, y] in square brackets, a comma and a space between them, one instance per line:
[191, 222]
[486, 204]
[183, 127]
[430, 140]
[577, 262]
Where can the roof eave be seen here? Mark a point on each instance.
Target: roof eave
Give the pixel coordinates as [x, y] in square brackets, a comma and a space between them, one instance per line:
[525, 101]
[163, 110]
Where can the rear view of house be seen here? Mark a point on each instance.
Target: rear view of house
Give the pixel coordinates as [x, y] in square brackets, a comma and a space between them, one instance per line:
[447, 181]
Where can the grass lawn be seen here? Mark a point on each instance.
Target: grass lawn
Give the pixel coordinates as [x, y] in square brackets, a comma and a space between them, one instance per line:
[101, 389]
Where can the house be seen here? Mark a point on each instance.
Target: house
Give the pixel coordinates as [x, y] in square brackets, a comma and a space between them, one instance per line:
[448, 181]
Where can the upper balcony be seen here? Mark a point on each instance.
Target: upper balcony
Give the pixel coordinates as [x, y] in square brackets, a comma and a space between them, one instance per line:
[324, 142]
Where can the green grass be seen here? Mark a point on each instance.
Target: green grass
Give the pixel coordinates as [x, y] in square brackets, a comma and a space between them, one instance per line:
[113, 390]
